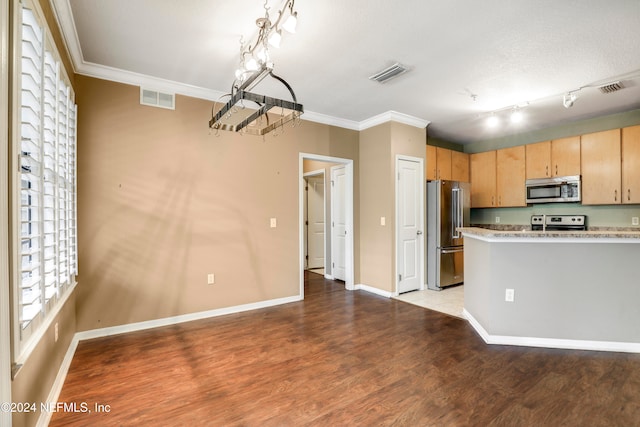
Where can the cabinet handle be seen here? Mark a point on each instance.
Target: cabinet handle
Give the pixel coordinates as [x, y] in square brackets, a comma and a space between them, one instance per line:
[499, 200]
[615, 196]
[492, 199]
[546, 170]
[556, 169]
[628, 194]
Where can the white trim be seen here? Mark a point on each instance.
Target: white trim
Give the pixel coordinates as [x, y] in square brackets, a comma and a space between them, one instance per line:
[330, 120]
[421, 243]
[167, 321]
[56, 388]
[349, 196]
[393, 116]
[624, 347]
[5, 299]
[373, 290]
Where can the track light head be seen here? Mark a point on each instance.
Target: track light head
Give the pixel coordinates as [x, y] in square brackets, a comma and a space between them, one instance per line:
[568, 99]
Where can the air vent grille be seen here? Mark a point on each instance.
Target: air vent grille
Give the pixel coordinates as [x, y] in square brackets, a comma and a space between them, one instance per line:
[611, 87]
[154, 98]
[388, 73]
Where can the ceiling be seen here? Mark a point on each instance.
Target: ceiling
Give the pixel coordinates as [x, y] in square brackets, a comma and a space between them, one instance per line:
[467, 58]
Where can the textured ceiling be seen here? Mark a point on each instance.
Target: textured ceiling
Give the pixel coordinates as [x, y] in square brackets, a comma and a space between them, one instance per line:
[502, 52]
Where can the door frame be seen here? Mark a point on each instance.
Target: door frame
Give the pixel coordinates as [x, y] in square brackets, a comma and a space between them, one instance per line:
[422, 240]
[349, 191]
[324, 212]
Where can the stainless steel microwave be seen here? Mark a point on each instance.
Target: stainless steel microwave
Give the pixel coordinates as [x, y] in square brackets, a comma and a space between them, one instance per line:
[560, 189]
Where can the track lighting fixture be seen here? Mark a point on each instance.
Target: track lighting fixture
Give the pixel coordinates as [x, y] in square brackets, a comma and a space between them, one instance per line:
[568, 99]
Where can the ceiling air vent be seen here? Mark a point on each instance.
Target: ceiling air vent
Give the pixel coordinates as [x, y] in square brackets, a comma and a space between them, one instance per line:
[611, 87]
[154, 98]
[389, 73]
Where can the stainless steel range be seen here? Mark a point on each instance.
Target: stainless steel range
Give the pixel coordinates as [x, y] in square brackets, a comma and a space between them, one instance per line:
[558, 222]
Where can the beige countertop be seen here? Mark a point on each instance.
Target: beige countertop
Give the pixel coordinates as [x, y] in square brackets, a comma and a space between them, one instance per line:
[525, 232]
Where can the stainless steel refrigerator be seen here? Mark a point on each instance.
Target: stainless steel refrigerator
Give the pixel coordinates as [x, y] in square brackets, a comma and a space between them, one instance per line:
[447, 209]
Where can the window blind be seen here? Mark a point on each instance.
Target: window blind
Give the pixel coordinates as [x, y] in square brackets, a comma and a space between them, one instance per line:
[48, 234]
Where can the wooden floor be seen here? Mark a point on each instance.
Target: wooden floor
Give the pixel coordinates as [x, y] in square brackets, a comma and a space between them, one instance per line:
[342, 358]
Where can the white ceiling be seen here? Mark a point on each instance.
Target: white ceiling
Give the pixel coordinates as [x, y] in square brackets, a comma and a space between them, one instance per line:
[504, 52]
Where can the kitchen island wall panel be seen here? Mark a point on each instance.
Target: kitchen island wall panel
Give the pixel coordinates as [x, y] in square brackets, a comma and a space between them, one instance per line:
[572, 292]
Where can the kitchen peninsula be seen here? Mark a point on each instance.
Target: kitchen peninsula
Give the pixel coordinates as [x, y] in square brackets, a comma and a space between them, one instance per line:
[571, 289]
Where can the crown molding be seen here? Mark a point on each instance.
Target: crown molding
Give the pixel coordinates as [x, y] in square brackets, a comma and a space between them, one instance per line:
[393, 116]
[64, 18]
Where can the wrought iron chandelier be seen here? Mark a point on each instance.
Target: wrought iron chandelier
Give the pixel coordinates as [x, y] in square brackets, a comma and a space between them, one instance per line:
[256, 64]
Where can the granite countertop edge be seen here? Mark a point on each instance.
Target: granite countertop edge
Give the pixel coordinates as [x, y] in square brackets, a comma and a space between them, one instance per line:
[525, 231]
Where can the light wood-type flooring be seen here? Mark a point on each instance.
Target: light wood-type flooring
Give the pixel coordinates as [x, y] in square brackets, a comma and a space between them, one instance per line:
[342, 358]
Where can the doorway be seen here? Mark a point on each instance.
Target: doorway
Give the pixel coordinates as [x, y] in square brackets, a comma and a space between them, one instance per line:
[315, 206]
[344, 170]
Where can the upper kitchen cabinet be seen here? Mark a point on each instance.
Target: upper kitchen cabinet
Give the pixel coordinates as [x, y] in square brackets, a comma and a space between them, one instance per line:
[538, 160]
[446, 164]
[443, 163]
[483, 179]
[631, 164]
[431, 170]
[510, 177]
[560, 157]
[565, 156]
[601, 168]
[459, 166]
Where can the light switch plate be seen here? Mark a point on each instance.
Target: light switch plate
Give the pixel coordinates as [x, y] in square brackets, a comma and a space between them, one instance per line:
[383, 220]
[634, 221]
[274, 222]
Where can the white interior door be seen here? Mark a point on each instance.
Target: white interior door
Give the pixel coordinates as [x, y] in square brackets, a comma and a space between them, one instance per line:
[315, 221]
[410, 224]
[338, 222]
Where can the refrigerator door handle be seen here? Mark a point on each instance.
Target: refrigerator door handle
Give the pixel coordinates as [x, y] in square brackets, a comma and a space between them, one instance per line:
[456, 200]
[452, 251]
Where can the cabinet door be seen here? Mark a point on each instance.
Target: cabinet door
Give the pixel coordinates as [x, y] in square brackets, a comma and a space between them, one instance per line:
[538, 160]
[601, 170]
[631, 164]
[483, 179]
[431, 170]
[459, 166]
[565, 156]
[510, 176]
[443, 161]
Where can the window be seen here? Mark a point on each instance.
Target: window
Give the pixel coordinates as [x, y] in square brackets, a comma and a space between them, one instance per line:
[47, 243]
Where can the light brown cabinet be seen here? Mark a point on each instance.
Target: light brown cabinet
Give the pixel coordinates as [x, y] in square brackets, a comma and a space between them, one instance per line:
[601, 168]
[431, 170]
[565, 156]
[631, 164]
[497, 178]
[459, 166]
[446, 164]
[510, 177]
[560, 157]
[483, 179]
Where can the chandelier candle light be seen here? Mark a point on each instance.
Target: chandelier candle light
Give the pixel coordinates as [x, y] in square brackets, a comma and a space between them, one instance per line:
[255, 65]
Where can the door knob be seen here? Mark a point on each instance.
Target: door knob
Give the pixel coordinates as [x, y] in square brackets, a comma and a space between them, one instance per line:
[419, 232]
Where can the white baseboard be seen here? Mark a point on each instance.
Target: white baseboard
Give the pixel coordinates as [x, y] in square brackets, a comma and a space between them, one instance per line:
[622, 347]
[56, 388]
[139, 326]
[373, 290]
[328, 277]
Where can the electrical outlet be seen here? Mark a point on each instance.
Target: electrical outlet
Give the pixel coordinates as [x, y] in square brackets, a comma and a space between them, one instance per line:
[509, 295]
[211, 279]
[273, 222]
[634, 221]
[55, 332]
[497, 220]
[383, 220]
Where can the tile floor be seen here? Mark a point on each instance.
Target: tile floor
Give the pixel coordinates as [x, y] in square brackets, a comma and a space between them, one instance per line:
[449, 300]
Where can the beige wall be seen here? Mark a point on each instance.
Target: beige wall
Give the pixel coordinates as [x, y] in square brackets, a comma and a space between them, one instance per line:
[163, 202]
[378, 149]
